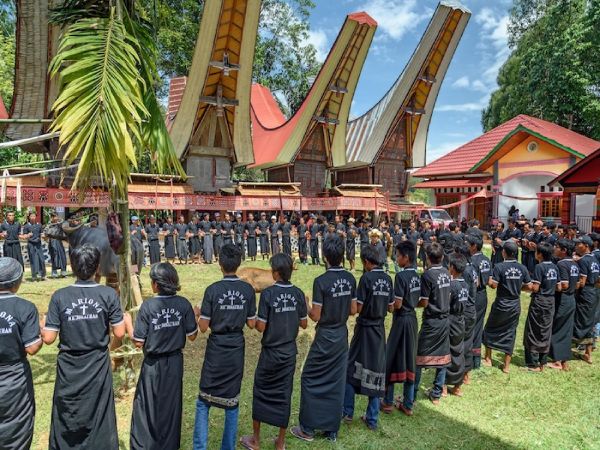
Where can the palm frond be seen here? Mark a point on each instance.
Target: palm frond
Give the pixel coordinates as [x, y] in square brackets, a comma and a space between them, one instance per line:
[70, 11]
[100, 108]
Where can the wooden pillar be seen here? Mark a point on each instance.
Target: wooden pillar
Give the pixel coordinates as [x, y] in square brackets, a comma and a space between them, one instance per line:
[565, 213]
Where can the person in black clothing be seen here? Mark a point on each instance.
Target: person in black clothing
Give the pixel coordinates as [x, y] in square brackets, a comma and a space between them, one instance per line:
[32, 230]
[497, 236]
[181, 230]
[274, 232]
[471, 277]
[324, 373]
[10, 231]
[513, 232]
[137, 232]
[206, 230]
[528, 255]
[426, 237]
[20, 337]
[351, 234]
[564, 315]
[227, 231]
[433, 349]
[239, 230]
[412, 234]
[251, 227]
[302, 231]
[483, 266]
[282, 310]
[448, 239]
[509, 277]
[58, 256]
[217, 236]
[363, 232]
[402, 340]
[366, 356]
[459, 297]
[286, 231]
[83, 409]
[161, 327]
[538, 328]
[313, 228]
[168, 231]
[195, 249]
[228, 305]
[263, 233]
[153, 233]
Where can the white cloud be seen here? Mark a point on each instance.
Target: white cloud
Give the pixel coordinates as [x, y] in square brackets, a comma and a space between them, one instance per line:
[443, 149]
[462, 82]
[465, 107]
[395, 17]
[479, 85]
[494, 41]
[318, 38]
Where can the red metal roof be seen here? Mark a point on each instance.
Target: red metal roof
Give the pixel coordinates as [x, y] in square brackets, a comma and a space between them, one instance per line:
[265, 108]
[3, 113]
[363, 18]
[464, 158]
[454, 183]
[585, 172]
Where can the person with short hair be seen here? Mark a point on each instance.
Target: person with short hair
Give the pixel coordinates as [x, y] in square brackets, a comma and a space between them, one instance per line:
[286, 230]
[366, 356]
[168, 231]
[250, 229]
[303, 234]
[498, 236]
[228, 305]
[564, 297]
[313, 228]
[227, 230]
[10, 231]
[538, 327]
[282, 310]
[459, 297]
[161, 327]
[83, 407]
[509, 277]
[274, 232]
[239, 234]
[402, 340]
[426, 237]
[181, 229]
[194, 247]
[484, 269]
[218, 235]
[137, 231]
[433, 349]
[324, 373]
[263, 233]
[153, 233]
[33, 232]
[58, 256]
[206, 230]
[20, 337]
[471, 277]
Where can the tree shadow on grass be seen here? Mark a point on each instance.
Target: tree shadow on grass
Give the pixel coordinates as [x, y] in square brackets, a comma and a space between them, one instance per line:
[43, 368]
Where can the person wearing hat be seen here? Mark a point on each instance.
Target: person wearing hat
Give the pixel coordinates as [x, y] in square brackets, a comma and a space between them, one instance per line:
[168, 231]
[58, 256]
[263, 234]
[251, 228]
[274, 232]
[218, 235]
[587, 297]
[206, 232]
[509, 277]
[32, 230]
[20, 337]
[10, 231]
[152, 232]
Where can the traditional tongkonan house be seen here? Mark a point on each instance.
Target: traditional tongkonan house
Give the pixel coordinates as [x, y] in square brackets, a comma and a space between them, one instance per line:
[211, 124]
[306, 147]
[391, 137]
[513, 164]
[581, 193]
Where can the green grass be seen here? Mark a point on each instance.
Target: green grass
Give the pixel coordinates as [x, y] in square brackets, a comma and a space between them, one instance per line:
[520, 410]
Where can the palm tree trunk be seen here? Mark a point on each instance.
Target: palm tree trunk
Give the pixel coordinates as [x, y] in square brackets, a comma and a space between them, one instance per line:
[122, 209]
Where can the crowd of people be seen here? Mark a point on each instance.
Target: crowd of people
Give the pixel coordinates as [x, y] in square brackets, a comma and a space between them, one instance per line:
[560, 267]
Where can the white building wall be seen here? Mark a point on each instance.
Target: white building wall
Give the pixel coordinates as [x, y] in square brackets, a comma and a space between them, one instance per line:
[524, 186]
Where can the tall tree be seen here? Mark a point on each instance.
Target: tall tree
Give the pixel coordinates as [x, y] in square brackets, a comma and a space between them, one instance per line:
[552, 73]
[284, 60]
[7, 51]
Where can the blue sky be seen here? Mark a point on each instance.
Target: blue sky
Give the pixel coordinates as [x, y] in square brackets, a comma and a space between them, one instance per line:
[470, 79]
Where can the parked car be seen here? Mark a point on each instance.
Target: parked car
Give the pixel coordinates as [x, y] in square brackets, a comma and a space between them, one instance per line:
[436, 217]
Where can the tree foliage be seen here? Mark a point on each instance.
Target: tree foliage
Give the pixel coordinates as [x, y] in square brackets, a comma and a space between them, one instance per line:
[7, 51]
[554, 70]
[284, 60]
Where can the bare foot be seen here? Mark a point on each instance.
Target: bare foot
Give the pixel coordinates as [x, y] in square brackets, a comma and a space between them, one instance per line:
[555, 365]
[505, 369]
[467, 378]
[456, 391]
[486, 362]
[445, 391]
[248, 442]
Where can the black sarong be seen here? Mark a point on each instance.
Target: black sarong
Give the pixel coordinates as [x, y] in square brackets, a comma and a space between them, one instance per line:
[273, 385]
[156, 416]
[182, 249]
[324, 380]
[13, 250]
[481, 302]
[222, 371]
[501, 327]
[83, 409]
[350, 249]
[433, 348]
[538, 328]
[154, 250]
[302, 248]
[314, 249]
[287, 245]
[36, 259]
[456, 370]
[170, 246]
[402, 349]
[585, 315]
[195, 245]
[264, 243]
[470, 316]
[58, 256]
[366, 358]
[562, 327]
[17, 406]
[208, 249]
[275, 245]
[251, 242]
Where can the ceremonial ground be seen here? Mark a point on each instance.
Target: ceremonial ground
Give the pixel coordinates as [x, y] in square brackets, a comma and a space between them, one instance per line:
[521, 410]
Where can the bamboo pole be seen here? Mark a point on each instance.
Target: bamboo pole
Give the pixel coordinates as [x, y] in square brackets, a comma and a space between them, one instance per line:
[31, 140]
[25, 121]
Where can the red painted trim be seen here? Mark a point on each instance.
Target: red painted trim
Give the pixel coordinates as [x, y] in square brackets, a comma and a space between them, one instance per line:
[525, 174]
[544, 162]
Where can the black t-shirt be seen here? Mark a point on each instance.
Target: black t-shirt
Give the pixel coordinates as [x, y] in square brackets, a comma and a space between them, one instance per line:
[19, 327]
[314, 231]
[546, 275]
[459, 296]
[281, 307]
[510, 276]
[168, 228]
[226, 228]
[182, 229]
[471, 277]
[412, 236]
[193, 227]
[152, 231]
[484, 269]
[364, 235]
[274, 228]
[568, 271]
[334, 291]
[36, 232]
[515, 233]
[216, 224]
[427, 236]
[286, 229]
[137, 231]
[228, 304]
[205, 226]
[163, 323]
[435, 287]
[375, 294]
[251, 228]
[407, 287]
[81, 313]
[263, 226]
[13, 230]
[590, 268]
[239, 228]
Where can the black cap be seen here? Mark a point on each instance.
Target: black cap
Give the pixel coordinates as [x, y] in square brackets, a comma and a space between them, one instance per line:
[586, 240]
